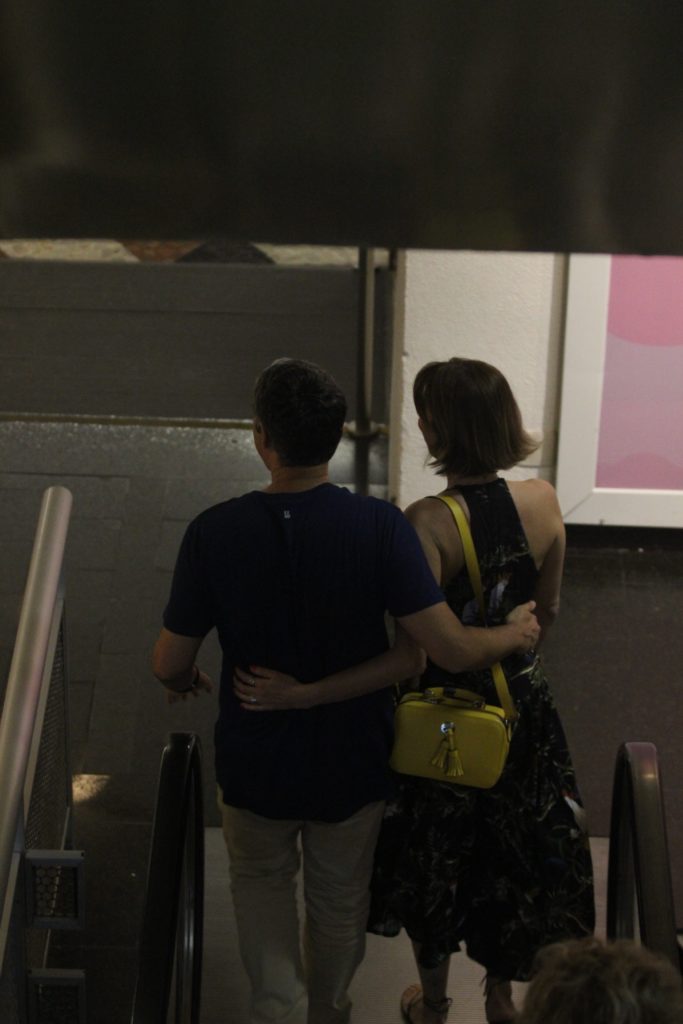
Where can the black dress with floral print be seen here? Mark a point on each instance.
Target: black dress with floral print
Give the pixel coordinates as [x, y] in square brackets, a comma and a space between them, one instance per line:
[506, 870]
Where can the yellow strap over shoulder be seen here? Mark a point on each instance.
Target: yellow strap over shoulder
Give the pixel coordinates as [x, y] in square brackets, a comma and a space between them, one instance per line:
[472, 563]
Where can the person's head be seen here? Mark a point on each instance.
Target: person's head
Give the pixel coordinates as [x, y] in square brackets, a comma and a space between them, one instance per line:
[469, 418]
[586, 981]
[300, 410]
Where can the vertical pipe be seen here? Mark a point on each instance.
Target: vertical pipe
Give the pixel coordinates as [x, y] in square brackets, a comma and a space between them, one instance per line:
[366, 339]
[363, 429]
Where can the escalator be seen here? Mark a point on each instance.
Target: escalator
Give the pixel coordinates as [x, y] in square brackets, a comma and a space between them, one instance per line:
[168, 987]
[639, 888]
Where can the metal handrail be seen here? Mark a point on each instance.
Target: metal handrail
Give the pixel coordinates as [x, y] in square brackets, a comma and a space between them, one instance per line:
[170, 953]
[22, 695]
[639, 870]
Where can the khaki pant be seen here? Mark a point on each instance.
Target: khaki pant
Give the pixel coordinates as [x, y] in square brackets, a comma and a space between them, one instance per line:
[337, 863]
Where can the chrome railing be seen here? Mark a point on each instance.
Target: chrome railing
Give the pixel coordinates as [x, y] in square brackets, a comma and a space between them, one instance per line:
[40, 880]
[29, 676]
[639, 872]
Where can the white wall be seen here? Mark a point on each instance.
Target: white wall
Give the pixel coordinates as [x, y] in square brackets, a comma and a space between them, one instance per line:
[504, 308]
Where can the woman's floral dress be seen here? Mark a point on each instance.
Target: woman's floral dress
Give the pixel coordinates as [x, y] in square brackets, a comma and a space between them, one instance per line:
[505, 870]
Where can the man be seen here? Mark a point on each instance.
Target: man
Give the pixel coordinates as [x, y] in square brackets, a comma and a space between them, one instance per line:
[299, 576]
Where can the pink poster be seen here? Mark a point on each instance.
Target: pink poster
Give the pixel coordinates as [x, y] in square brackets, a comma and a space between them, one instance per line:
[641, 422]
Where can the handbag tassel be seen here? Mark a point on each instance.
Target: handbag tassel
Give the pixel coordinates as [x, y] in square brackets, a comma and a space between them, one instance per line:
[447, 757]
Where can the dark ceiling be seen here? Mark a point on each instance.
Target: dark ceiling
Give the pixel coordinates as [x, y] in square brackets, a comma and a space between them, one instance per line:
[488, 124]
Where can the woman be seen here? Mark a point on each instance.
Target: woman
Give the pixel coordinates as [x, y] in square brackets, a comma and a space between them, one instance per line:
[505, 870]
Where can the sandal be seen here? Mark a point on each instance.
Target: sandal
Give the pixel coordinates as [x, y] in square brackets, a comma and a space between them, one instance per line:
[502, 995]
[413, 996]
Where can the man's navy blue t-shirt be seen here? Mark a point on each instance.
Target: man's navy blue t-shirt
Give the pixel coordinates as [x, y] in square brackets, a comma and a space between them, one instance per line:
[300, 582]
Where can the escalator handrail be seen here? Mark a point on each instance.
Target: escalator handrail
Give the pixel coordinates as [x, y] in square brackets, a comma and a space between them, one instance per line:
[179, 790]
[639, 854]
[41, 606]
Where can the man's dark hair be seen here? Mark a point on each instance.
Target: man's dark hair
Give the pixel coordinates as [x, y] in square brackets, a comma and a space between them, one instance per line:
[475, 420]
[302, 410]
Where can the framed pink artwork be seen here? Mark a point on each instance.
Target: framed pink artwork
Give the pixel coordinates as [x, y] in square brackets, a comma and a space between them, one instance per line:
[620, 450]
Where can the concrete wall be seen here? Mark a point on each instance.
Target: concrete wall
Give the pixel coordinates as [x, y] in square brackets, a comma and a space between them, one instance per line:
[174, 340]
[505, 308]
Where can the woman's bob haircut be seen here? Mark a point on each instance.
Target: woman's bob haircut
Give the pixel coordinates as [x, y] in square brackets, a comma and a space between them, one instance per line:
[472, 416]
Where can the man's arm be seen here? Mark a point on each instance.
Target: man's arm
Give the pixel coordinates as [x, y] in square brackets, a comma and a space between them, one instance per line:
[450, 644]
[173, 663]
[458, 648]
[435, 628]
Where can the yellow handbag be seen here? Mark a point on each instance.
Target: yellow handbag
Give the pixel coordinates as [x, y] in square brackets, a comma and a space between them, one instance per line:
[452, 735]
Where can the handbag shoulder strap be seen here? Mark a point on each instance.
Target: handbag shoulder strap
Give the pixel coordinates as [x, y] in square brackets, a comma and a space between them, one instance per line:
[472, 563]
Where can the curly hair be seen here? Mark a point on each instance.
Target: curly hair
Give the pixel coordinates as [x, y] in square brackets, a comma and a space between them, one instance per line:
[302, 410]
[585, 981]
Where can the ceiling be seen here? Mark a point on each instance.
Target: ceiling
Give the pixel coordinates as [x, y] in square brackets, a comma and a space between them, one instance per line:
[502, 125]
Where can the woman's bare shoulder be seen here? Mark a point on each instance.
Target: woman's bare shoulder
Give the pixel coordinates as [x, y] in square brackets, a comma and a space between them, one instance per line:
[539, 510]
[425, 511]
[534, 491]
[433, 521]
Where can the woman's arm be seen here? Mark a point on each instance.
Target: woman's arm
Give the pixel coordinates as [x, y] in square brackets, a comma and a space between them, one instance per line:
[549, 582]
[263, 689]
[539, 511]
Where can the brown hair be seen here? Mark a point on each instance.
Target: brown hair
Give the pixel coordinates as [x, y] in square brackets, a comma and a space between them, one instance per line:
[476, 422]
[585, 981]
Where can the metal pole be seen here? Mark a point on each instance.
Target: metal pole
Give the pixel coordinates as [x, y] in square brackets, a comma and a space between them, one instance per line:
[363, 430]
[26, 670]
[366, 339]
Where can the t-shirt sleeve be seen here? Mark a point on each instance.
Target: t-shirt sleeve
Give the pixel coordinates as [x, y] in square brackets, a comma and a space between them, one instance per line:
[189, 611]
[410, 583]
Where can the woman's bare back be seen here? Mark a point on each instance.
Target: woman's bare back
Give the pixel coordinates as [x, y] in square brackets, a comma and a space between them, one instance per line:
[539, 512]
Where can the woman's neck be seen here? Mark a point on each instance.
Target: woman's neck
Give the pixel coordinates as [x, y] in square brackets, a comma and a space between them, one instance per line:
[455, 481]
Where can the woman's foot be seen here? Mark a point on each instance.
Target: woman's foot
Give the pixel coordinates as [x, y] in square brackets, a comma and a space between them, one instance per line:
[499, 1006]
[416, 1009]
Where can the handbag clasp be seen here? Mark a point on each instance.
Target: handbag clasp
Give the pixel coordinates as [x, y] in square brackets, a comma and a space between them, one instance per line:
[431, 697]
